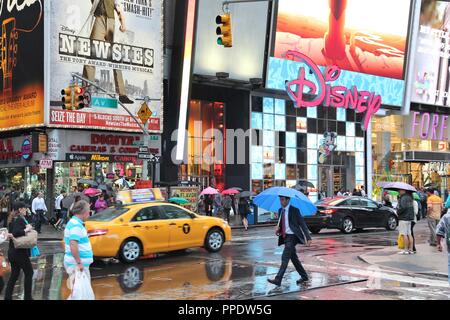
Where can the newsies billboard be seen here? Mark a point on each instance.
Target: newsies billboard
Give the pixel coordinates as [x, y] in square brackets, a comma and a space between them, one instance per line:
[98, 147]
[22, 64]
[344, 35]
[116, 44]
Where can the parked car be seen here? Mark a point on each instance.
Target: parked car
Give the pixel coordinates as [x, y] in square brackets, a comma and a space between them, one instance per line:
[350, 213]
[132, 231]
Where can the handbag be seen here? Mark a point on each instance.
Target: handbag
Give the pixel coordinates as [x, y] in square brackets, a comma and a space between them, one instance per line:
[401, 242]
[28, 241]
[35, 252]
[5, 267]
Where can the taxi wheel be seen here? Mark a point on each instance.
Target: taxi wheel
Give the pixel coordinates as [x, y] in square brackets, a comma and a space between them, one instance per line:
[130, 251]
[214, 240]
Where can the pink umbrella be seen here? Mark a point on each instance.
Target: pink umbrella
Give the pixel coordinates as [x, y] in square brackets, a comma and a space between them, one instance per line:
[230, 191]
[92, 192]
[209, 190]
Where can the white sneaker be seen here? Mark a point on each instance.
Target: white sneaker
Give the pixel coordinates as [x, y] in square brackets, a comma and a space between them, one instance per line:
[403, 252]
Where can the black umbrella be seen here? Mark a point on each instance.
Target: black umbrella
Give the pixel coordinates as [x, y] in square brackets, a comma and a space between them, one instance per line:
[88, 181]
[67, 201]
[246, 194]
[303, 184]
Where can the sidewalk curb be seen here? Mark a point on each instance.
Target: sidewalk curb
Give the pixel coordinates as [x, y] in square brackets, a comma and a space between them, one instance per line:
[431, 273]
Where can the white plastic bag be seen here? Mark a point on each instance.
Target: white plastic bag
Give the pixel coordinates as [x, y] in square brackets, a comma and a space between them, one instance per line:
[82, 289]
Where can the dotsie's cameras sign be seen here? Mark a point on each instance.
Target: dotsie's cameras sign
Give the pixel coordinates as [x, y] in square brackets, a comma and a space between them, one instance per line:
[318, 85]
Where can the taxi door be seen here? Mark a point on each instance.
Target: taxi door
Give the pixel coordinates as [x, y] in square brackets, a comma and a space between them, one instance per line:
[150, 226]
[185, 231]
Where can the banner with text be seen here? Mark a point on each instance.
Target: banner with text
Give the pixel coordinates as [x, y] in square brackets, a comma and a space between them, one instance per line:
[119, 46]
[22, 64]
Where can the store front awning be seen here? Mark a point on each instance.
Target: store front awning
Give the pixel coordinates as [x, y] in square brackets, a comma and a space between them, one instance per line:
[425, 156]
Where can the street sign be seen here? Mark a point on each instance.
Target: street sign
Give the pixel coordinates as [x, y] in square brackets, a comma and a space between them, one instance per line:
[153, 158]
[143, 149]
[144, 113]
[145, 156]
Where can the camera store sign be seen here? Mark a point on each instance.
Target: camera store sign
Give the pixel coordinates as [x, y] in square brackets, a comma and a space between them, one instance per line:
[101, 147]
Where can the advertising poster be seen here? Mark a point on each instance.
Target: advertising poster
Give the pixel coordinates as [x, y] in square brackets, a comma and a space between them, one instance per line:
[431, 64]
[189, 193]
[118, 45]
[22, 64]
[347, 34]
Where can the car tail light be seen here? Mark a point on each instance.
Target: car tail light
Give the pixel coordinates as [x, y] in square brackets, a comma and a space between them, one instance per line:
[329, 211]
[97, 232]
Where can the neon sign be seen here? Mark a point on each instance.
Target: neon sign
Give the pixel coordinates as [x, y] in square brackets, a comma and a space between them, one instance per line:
[325, 94]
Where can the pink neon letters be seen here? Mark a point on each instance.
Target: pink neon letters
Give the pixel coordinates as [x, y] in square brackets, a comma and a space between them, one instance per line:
[431, 126]
[330, 96]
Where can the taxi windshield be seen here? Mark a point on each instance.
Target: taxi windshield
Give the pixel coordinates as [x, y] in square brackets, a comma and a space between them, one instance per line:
[108, 214]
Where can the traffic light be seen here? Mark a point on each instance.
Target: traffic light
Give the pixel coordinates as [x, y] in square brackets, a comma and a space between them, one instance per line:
[78, 97]
[67, 98]
[73, 98]
[224, 30]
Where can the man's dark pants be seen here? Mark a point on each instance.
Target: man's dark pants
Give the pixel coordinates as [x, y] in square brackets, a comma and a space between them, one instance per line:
[289, 253]
[38, 217]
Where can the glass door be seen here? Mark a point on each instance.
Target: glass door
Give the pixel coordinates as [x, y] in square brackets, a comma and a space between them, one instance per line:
[325, 181]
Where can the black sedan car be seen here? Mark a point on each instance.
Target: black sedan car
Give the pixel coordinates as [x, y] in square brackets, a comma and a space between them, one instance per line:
[350, 213]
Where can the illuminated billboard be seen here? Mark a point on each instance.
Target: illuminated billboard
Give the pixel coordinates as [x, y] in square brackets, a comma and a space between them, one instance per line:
[431, 64]
[348, 34]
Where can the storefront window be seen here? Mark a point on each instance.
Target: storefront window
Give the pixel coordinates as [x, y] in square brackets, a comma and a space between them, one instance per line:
[392, 136]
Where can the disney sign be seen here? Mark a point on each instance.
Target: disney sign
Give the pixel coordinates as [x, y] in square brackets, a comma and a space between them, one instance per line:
[325, 94]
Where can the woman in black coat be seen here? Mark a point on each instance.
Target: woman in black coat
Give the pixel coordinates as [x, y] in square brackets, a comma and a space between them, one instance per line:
[244, 208]
[19, 258]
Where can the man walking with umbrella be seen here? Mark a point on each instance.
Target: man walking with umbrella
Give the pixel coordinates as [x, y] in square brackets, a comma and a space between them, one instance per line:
[291, 230]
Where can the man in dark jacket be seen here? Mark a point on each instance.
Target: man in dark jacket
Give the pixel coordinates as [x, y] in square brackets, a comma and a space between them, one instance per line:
[405, 212]
[291, 230]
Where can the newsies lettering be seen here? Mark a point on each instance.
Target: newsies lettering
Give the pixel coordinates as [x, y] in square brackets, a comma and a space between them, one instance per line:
[300, 90]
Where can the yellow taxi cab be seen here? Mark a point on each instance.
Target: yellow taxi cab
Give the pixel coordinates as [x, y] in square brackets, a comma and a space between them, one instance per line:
[135, 230]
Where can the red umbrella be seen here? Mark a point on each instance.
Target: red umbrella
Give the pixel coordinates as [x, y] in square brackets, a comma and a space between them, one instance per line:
[230, 191]
[92, 192]
[209, 190]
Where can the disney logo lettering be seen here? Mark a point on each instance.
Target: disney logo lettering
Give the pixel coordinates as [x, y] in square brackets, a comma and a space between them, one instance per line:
[67, 29]
[327, 95]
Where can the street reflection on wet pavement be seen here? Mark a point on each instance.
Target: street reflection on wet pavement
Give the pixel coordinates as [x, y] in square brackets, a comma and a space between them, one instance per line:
[240, 271]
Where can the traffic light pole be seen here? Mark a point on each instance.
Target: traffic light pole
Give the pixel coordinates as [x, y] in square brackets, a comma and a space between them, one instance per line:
[144, 128]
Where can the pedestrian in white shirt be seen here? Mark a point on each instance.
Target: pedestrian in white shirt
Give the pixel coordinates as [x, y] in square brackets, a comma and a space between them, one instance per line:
[363, 192]
[38, 208]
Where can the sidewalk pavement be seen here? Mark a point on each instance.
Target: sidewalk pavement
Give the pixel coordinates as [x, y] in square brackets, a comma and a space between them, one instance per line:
[427, 260]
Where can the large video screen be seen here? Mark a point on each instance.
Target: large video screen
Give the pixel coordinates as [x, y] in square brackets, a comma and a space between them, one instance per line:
[431, 64]
[366, 39]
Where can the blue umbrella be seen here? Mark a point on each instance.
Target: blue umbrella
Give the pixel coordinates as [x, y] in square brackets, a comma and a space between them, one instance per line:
[270, 201]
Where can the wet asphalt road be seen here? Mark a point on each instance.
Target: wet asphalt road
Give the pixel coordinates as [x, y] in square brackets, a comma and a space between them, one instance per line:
[240, 271]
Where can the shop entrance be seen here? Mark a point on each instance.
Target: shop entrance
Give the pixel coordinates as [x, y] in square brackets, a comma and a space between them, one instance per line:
[332, 179]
